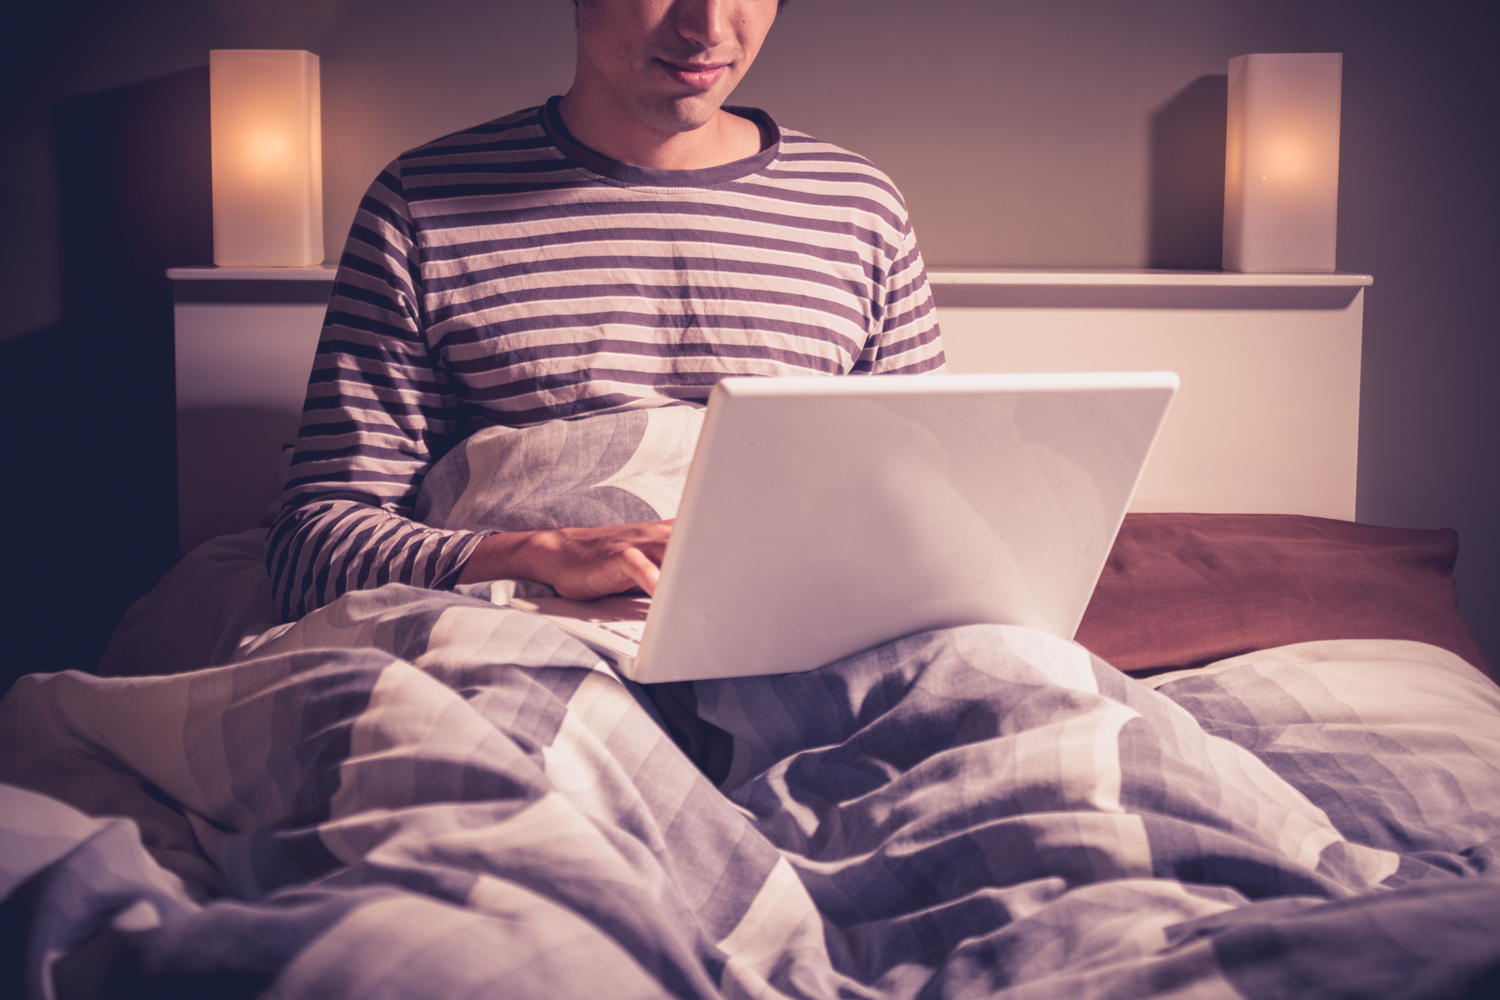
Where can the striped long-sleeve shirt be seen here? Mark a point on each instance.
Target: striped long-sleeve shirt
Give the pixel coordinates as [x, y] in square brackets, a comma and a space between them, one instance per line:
[507, 275]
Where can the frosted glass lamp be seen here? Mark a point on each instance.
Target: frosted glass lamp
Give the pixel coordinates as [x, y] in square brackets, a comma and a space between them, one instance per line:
[1281, 163]
[267, 157]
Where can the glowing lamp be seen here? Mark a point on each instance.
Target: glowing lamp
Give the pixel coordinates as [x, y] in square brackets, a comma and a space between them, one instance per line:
[1281, 162]
[267, 157]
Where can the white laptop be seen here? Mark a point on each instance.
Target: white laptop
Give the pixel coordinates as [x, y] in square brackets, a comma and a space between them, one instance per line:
[824, 516]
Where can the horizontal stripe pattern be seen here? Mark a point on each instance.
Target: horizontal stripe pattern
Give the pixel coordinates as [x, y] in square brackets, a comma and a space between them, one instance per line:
[506, 275]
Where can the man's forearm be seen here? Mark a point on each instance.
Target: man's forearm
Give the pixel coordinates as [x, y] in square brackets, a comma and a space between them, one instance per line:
[581, 563]
[310, 564]
[509, 555]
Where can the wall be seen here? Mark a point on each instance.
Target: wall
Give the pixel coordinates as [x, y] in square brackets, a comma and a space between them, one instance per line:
[1067, 133]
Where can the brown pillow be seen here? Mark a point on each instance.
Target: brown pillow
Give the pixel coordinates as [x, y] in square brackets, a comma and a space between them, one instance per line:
[1182, 590]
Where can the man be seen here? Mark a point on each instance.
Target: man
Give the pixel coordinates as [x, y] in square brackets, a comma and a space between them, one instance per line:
[624, 246]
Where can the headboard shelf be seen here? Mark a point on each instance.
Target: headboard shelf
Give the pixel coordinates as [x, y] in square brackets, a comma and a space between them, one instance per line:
[205, 272]
[1112, 278]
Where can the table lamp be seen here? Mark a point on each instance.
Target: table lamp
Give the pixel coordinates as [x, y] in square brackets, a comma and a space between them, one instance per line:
[267, 158]
[1281, 162]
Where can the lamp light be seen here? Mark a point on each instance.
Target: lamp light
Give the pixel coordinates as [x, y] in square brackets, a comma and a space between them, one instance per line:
[1281, 162]
[267, 157]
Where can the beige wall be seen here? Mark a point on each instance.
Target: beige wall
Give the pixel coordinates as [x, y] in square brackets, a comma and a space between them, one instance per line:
[1035, 132]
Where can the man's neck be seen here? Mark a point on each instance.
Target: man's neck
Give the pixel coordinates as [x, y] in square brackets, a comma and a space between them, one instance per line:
[724, 138]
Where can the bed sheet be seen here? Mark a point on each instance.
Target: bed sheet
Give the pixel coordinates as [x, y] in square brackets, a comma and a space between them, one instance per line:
[418, 793]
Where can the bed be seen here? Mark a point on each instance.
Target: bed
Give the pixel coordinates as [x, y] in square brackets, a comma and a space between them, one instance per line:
[1269, 767]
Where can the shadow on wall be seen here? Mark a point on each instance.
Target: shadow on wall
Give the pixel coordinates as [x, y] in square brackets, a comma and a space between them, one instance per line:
[1186, 205]
[93, 505]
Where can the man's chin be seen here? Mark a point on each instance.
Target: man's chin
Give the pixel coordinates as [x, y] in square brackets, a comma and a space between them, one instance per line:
[684, 114]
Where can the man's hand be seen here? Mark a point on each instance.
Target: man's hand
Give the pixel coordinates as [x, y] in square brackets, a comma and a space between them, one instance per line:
[578, 563]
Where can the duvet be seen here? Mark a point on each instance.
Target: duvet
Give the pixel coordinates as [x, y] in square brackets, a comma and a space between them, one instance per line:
[415, 793]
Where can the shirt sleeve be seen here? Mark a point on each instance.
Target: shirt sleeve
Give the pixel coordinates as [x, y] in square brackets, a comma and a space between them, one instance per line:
[379, 411]
[910, 341]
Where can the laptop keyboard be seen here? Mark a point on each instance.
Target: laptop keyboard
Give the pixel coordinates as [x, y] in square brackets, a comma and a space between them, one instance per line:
[632, 630]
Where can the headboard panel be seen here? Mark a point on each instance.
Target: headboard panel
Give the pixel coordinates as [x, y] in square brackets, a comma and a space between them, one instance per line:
[1267, 420]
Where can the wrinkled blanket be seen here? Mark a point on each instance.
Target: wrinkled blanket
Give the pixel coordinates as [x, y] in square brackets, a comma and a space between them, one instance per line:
[421, 794]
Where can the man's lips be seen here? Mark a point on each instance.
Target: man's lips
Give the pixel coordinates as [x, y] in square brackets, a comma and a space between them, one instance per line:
[699, 77]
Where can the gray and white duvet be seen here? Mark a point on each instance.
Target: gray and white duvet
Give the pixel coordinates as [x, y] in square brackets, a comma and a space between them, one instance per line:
[419, 794]
[414, 793]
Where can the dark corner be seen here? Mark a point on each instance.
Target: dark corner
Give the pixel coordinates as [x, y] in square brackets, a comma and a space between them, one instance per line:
[93, 495]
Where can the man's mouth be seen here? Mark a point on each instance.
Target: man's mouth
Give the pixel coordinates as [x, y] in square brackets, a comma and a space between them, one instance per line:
[699, 76]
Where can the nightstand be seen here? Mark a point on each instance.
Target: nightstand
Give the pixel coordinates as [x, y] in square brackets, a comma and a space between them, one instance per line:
[245, 340]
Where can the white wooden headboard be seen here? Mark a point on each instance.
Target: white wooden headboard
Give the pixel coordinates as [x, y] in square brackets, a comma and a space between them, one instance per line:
[1267, 420]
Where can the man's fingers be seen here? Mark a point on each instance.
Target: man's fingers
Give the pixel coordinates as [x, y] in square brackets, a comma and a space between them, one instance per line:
[641, 570]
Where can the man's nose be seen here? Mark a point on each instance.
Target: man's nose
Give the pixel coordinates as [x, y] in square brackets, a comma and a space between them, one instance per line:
[705, 21]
